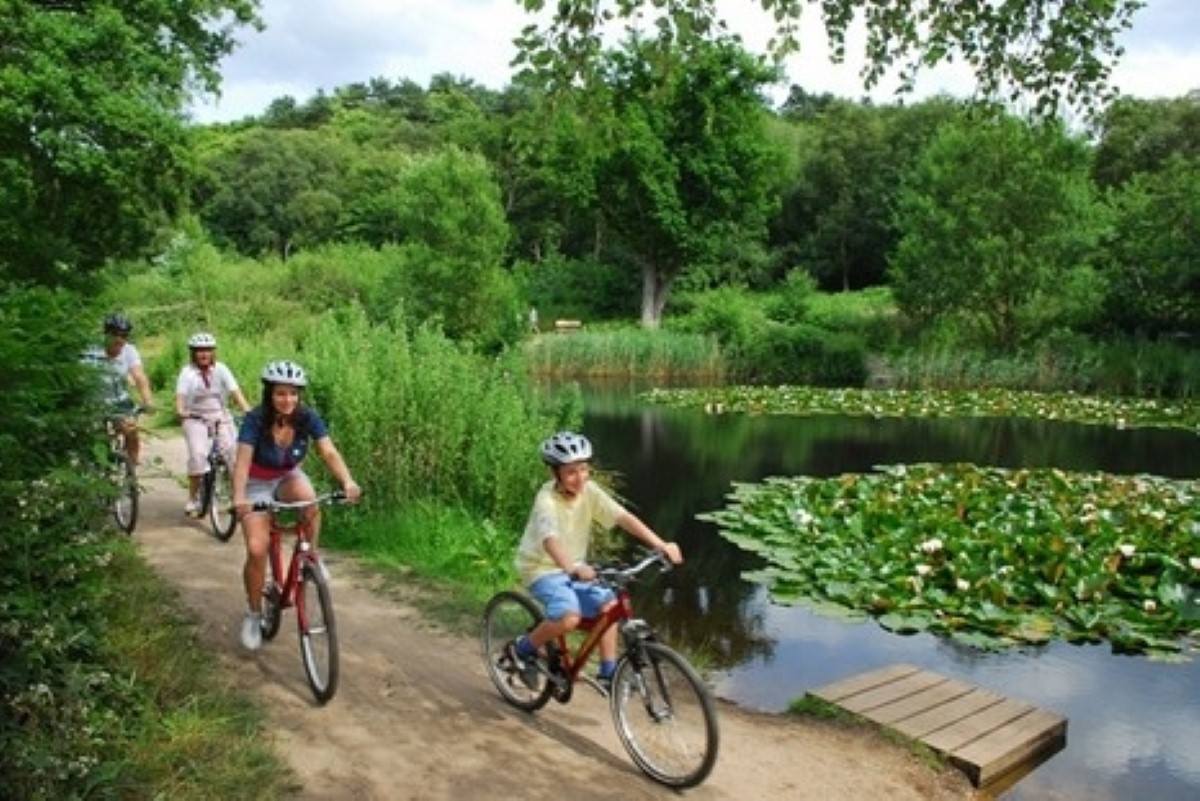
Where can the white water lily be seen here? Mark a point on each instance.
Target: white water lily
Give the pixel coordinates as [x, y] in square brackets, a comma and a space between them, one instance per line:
[931, 546]
[801, 517]
[1195, 562]
[1149, 605]
[1127, 550]
[963, 585]
[924, 570]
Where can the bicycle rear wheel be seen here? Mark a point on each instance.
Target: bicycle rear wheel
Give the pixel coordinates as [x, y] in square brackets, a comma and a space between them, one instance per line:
[219, 492]
[125, 504]
[665, 716]
[318, 632]
[507, 616]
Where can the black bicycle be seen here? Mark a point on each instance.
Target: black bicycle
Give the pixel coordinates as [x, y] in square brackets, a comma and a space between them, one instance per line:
[122, 473]
[216, 488]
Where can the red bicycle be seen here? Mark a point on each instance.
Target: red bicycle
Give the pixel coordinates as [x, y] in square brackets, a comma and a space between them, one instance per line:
[662, 710]
[304, 587]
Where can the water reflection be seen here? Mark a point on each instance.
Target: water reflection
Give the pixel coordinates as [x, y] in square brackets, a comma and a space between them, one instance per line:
[1134, 725]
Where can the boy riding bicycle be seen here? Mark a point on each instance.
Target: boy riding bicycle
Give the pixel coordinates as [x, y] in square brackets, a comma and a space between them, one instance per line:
[552, 556]
[120, 365]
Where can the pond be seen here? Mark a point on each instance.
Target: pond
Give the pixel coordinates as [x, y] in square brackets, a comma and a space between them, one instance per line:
[1134, 723]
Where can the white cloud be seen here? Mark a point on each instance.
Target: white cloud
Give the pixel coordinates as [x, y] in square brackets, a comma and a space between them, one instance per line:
[310, 46]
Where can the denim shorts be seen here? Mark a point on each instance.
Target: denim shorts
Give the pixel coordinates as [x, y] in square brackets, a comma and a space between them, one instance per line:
[262, 490]
[561, 596]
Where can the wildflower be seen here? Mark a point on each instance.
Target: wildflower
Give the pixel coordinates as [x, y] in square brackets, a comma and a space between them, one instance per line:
[924, 570]
[801, 517]
[1149, 605]
[931, 546]
[1127, 550]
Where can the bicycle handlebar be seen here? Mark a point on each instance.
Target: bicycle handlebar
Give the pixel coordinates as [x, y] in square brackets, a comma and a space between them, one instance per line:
[336, 496]
[621, 575]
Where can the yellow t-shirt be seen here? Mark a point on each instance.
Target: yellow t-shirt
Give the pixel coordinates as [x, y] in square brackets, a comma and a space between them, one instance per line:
[569, 519]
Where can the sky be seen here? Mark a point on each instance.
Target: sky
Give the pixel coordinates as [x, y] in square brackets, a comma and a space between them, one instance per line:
[311, 45]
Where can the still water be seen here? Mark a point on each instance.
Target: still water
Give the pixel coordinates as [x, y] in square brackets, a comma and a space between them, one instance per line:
[1133, 724]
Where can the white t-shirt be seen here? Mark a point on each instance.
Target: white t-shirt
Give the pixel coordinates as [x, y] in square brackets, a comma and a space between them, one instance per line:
[115, 371]
[571, 520]
[205, 395]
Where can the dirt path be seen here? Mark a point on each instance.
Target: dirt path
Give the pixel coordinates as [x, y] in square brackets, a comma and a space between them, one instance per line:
[416, 717]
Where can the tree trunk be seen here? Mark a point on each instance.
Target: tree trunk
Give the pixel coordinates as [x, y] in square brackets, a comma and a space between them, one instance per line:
[655, 287]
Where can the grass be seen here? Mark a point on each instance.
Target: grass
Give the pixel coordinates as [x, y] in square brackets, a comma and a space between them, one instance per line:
[195, 735]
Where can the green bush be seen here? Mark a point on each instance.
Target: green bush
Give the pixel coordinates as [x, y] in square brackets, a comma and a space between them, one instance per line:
[803, 354]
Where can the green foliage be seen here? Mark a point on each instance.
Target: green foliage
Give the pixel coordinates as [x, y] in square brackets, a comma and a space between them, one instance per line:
[266, 191]
[1150, 258]
[1117, 412]
[420, 418]
[998, 225]
[1053, 52]
[93, 152]
[1141, 136]
[687, 171]
[803, 354]
[988, 556]
[624, 353]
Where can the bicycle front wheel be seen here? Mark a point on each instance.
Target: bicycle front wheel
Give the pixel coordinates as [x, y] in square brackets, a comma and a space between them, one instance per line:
[220, 501]
[507, 616]
[125, 504]
[664, 715]
[318, 632]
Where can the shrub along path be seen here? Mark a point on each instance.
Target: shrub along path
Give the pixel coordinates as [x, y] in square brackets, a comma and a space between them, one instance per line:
[416, 717]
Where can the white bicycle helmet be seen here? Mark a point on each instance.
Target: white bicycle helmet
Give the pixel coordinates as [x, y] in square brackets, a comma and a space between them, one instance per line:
[202, 340]
[566, 447]
[284, 372]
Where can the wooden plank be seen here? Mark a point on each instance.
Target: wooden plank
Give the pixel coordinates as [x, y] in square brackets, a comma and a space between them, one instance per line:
[945, 715]
[934, 697]
[892, 691]
[1035, 735]
[863, 681]
[994, 740]
[966, 730]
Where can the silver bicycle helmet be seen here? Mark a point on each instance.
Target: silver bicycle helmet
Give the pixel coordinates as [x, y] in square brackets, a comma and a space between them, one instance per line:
[284, 372]
[566, 447]
[202, 341]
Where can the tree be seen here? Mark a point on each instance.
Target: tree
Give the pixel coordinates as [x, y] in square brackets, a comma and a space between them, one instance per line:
[686, 175]
[1151, 257]
[1138, 136]
[997, 223]
[266, 190]
[94, 157]
[1052, 50]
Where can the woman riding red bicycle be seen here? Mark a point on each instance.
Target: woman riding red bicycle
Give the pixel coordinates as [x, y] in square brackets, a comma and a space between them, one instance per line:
[552, 559]
[272, 443]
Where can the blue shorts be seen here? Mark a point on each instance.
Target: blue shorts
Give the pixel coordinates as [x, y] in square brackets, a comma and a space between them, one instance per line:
[561, 596]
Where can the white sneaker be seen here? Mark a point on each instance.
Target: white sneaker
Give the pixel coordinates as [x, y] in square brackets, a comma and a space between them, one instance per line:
[252, 631]
[191, 508]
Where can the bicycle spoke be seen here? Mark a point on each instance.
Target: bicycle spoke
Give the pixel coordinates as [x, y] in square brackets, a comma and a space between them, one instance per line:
[664, 716]
[509, 615]
[318, 633]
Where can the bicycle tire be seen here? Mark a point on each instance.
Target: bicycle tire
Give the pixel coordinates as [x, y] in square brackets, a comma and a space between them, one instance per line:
[664, 715]
[507, 616]
[272, 610]
[318, 632]
[219, 500]
[125, 504]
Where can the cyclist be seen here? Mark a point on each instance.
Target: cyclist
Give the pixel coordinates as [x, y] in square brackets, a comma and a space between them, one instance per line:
[121, 365]
[202, 395]
[552, 556]
[272, 443]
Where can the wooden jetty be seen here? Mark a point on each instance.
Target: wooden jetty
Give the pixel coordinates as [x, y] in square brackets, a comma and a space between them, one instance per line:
[993, 739]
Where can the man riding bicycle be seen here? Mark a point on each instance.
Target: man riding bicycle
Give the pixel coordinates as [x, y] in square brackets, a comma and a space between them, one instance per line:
[120, 366]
